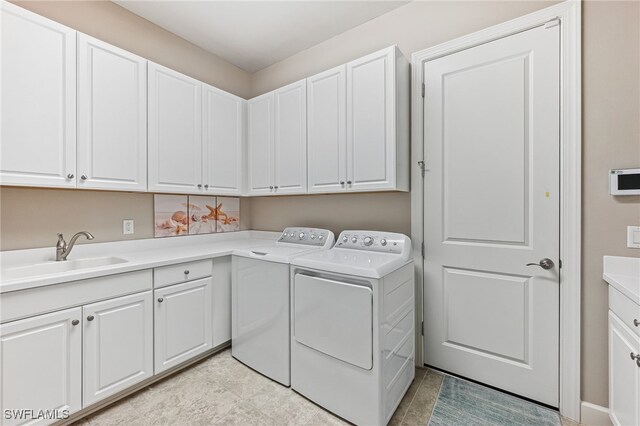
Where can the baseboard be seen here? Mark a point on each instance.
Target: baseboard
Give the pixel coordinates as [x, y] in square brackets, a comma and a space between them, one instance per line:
[594, 415]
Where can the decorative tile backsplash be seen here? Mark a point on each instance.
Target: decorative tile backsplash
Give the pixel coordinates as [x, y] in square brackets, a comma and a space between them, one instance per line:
[195, 214]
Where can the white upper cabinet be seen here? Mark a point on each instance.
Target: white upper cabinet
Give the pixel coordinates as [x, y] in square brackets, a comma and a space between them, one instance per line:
[378, 122]
[112, 117]
[175, 131]
[327, 131]
[277, 142]
[222, 136]
[260, 136]
[290, 141]
[38, 139]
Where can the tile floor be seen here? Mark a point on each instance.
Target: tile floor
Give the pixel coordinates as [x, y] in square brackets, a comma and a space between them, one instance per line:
[221, 390]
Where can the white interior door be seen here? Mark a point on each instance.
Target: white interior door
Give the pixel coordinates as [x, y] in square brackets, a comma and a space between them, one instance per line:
[491, 129]
[222, 135]
[327, 131]
[112, 117]
[118, 345]
[290, 143]
[175, 131]
[38, 97]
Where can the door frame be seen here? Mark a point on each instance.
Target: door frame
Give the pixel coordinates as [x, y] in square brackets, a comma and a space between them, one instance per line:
[569, 14]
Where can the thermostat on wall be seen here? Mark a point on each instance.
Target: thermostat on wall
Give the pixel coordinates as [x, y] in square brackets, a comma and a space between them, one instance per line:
[624, 182]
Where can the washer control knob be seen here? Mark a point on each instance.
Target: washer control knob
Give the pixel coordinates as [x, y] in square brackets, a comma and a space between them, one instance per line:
[368, 241]
[321, 237]
[313, 236]
[345, 239]
[301, 235]
[383, 242]
[354, 240]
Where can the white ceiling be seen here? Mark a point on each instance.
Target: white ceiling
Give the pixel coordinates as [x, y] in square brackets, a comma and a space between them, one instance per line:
[256, 34]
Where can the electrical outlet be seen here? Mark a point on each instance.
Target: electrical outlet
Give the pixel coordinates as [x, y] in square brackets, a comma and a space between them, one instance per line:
[127, 226]
[633, 236]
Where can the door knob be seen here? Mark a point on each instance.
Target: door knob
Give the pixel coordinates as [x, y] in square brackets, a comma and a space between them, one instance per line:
[545, 263]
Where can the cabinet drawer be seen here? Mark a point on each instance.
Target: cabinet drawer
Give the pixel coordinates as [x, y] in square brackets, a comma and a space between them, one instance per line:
[625, 309]
[181, 272]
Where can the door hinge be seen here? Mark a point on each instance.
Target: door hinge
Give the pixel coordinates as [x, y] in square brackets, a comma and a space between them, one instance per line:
[422, 328]
[552, 23]
[422, 249]
[422, 167]
[423, 90]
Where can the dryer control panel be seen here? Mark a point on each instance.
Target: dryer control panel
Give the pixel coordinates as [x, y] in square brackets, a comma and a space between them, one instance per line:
[385, 242]
[307, 236]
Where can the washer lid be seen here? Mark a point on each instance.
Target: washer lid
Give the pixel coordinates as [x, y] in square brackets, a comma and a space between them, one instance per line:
[276, 252]
[352, 262]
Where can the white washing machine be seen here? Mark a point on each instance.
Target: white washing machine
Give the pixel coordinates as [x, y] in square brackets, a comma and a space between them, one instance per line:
[260, 301]
[352, 325]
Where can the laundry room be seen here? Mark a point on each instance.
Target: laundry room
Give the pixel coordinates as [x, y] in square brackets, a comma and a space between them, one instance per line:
[303, 212]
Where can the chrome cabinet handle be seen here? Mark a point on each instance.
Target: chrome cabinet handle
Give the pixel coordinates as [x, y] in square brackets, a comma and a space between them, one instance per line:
[636, 323]
[545, 263]
[70, 176]
[83, 177]
[90, 318]
[160, 299]
[75, 322]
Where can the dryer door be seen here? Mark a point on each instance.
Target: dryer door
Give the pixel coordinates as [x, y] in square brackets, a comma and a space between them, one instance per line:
[335, 318]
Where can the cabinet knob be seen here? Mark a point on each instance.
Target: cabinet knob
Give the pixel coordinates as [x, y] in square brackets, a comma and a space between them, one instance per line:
[90, 318]
[160, 299]
[636, 323]
[348, 182]
[271, 187]
[206, 186]
[83, 177]
[186, 272]
[342, 182]
[276, 187]
[75, 322]
[70, 176]
[199, 185]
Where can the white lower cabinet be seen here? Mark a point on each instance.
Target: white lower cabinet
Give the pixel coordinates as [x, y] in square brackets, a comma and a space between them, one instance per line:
[221, 312]
[182, 322]
[624, 373]
[118, 345]
[41, 366]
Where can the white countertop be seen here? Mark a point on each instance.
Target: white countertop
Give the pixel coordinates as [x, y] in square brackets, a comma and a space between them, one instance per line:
[139, 254]
[623, 274]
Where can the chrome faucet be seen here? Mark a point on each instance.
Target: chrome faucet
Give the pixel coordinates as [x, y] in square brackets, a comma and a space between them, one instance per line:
[63, 250]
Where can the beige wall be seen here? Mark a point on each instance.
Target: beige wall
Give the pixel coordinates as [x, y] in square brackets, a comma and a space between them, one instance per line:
[611, 90]
[611, 139]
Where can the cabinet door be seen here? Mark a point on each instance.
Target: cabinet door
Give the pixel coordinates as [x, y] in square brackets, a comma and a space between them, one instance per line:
[222, 135]
[221, 300]
[260, 145]
[112, 117]
[38, 112]
[118, 345]
[371, 122]
[290, 147]
[182, 322]
[175, 131]
[41, 364]
[327, 132]
[624, 374]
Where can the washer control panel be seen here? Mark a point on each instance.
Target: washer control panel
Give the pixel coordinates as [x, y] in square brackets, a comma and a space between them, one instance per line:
[386, 242]
[307, 236]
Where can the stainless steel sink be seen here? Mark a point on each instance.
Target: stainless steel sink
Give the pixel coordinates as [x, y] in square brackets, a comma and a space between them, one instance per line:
[51, 268]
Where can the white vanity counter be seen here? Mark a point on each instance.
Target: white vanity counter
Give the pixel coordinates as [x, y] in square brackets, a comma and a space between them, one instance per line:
[131, 255]
[623, 274]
